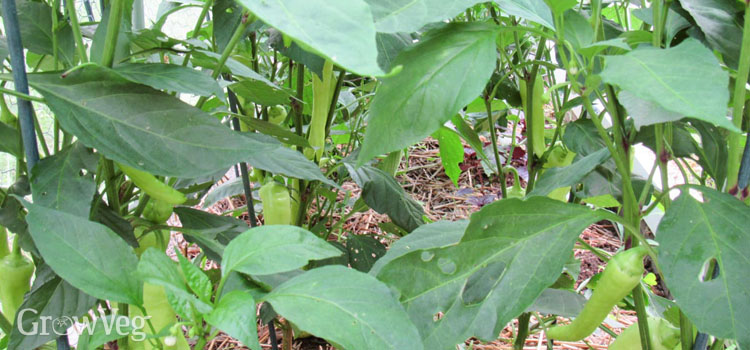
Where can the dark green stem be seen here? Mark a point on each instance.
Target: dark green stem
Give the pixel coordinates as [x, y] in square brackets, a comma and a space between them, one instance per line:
[71, 8]
[197, 28]
[523, 331]
[735, 139]
[493, 140]
[113, 30]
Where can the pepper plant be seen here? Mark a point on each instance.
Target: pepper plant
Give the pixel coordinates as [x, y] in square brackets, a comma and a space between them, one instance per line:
[297, 97]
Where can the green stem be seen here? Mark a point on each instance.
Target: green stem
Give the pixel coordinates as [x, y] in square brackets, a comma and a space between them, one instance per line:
[735, 139]
[493, 140]
[197, 28]
[113, 30]
[640, 311]
[686, 332]
[523, 331]
[236, 37]
[26, 97]
[113, 195]
[55, 45]
[71, 7]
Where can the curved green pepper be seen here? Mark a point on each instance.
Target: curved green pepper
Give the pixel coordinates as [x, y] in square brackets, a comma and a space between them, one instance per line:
[16, 271]
[153, 186]
[663, 336]
[277, 204]
[622, 274]
[535, 116]
[322, 95]
[277, 114]
[516, 191]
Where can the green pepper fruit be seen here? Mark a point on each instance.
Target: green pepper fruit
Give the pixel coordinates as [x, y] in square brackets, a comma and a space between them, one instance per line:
[277, 204]
[153, 186]
[277, 114]
[559, 157]
[622, 274]
[16, 271]
[162, 315]
[663, 336]
[535, 116]
[322, 94]
[157, 211]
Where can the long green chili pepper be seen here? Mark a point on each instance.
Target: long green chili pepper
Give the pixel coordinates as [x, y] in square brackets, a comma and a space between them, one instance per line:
[322, 95]
[622, 274]
[153, 186]
[535, 117]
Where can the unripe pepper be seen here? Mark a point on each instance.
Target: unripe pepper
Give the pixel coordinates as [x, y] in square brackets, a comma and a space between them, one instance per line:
[535, 116]
[153, 186]
[153, 239]
[162, 315]
[622, 274]
[157, 211]
[663, 336]
[516, 191]
[559, 157]
[322, 95]
[15, 273]
[277, 204]
[277, 114]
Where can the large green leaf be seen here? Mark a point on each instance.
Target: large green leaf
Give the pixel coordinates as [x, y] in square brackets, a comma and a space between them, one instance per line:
[50, 298]
[718, 21]
[155, 132]
[65, 181]
[408, 16]
[472, 282]
[261, 91]
[384, 194]
[271, 249]
[348, 308]
[441, 75]
[695, 232]
[86, 254]
[389, 46]
[570, 175]
[170, 77]
[532, 10]
[340, 30]
[210, 232]
[235, 315]
[645, 112]
[434, 235]
[686, 79]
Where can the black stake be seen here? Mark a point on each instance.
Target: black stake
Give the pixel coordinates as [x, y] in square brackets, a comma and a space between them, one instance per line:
[17, 62]
[89, 11]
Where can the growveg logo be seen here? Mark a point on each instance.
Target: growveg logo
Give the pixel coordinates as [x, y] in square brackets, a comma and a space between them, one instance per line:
[107, 324]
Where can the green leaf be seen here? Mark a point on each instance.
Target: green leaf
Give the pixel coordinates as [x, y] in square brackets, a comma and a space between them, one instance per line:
[35, 22]
[382, 193]
[691, 234]
[363, 252]
[230, 188]
[9, 140]
[713, 153]
[721, 25]
[272, 249]
[170, 77]
[443, 73]
[389, 46]
[471, 282]
[262, 92]
[558, 302]
[346, 307]
[558, 7]
[434, 235]
[532, 10]
[451, 152]
[50, 298]
[686, 79]
[86, 254]
[155, 132]
[409, 16]
[235, 315]
[65, 181]
[158, 269]
[645, 112]
[211, 232]
[341, 30]
[570, 175]
[196, 279]
[278, 132]
[227, 15]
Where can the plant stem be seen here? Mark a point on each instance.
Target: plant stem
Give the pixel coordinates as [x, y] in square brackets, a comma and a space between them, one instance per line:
[523, 331]
[113, 30]
[236, 37]
[25, 117]
[493, 140]
[735, 139]
[55, 44]
[21, 95]
[197, 28]
[71, 7]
